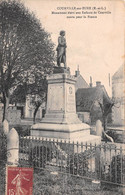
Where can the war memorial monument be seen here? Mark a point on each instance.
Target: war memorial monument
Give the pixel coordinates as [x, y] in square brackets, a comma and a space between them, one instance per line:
[61, 120]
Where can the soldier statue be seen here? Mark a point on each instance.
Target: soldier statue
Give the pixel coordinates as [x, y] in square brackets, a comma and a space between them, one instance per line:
[61, 49]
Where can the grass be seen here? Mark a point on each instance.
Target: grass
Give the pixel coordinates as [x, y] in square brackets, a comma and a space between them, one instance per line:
[50, 182]
[46, 183]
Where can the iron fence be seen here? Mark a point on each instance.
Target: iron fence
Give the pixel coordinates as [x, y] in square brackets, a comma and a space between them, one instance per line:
[104, 162]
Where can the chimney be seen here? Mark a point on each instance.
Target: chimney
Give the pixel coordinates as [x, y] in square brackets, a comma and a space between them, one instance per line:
[109, 79]
[77, 72]
[98, 83]
[90, 84]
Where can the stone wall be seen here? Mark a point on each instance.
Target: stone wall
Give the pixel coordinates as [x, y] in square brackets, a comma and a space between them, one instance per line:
[84, 117]
[14, 115]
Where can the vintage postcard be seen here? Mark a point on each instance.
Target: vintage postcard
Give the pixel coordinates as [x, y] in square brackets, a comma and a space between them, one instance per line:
[62, 102]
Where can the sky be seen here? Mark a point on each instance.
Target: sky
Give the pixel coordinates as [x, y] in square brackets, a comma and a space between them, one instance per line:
[95, 44]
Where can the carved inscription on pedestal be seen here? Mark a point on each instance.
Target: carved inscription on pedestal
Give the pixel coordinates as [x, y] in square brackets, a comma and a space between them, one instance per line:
[70, 99]
[55, 98]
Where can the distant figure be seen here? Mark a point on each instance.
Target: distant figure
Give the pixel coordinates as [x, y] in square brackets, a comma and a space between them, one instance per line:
[61, 49]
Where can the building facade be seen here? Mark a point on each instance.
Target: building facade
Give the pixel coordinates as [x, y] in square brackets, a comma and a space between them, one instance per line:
[118, 95]
[29, 108]
[88, 101]
[80, 81]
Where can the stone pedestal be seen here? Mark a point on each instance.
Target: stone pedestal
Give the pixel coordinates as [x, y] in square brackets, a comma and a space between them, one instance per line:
[61, 120]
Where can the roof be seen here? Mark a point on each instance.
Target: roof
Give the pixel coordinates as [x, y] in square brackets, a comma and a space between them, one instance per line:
[119, 73]
[80, 82]
[86, 97]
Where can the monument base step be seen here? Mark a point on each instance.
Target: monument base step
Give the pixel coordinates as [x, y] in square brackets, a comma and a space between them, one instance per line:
[72, 132]
[61, 118]
[60, 131]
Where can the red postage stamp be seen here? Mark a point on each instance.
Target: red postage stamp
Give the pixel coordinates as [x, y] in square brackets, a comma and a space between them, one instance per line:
[19, 181]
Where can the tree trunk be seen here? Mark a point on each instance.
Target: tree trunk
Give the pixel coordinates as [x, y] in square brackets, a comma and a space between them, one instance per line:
[105, 122]
[35, 112]
[105, 128]
[6, 100]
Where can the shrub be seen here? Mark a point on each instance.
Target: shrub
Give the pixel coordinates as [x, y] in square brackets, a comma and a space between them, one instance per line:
[77, 164]
[117, 169]
[39, 155]
[22, 130]
[111, 134]
[3, 148]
